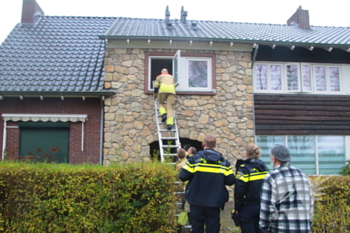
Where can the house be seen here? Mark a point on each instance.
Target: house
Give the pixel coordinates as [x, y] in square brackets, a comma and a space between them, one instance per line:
[295, 94]
[301, 94]
[243, 82]
[51, 88]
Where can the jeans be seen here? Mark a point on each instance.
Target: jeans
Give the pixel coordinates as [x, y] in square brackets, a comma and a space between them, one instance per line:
[249, 219]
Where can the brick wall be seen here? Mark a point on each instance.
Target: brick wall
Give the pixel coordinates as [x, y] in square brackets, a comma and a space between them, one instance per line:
[90, 106]
[300, 18]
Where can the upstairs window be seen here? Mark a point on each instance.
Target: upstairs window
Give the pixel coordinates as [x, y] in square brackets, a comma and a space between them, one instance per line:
[193, 72]
[296, 77]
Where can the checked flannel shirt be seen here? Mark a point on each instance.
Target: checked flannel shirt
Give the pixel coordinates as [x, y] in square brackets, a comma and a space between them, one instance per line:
[286, 201]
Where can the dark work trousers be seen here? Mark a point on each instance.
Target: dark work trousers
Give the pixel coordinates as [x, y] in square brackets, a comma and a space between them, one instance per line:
[249, 219]
[200, 215]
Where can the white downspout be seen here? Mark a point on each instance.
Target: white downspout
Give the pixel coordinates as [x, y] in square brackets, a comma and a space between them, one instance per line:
[4, 141]
[82, 136]
[101, 130]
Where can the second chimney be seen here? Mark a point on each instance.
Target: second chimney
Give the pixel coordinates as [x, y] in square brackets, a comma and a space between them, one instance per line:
[300, 18]
[183, 15]
[30, 11]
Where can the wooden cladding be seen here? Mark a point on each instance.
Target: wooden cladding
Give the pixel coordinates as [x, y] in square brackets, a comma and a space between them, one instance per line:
[302, 114]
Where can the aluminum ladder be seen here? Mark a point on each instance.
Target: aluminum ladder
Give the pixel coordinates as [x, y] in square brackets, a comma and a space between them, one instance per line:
[169, 143]
[168, 139]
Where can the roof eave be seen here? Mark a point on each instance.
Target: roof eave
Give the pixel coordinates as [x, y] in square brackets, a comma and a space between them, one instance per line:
[226, 40]
[57, 94]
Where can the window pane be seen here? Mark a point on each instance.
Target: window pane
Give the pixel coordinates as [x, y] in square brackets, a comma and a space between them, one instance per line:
[320, 78]
[261, 77]
[197, 73]
[331, 154]
[334, 78]
[265, 143]
[276, 77]
[306, 74]
[302, 150]
[292, 77]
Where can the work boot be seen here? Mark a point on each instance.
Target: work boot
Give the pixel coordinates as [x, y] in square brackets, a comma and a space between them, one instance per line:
[169, 127]
[164, 117]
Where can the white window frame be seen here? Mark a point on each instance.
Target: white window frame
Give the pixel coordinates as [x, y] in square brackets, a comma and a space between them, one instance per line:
[328, 81]
[184, 78]
[180, 72]
[300, 89]
[311, 78]
[285, 83]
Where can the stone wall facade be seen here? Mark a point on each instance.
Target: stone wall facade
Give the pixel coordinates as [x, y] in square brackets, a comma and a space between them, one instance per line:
[130, 125]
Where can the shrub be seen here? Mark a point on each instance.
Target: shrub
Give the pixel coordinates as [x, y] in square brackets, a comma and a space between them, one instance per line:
[332, 210]
[346, 169]
[87, 198]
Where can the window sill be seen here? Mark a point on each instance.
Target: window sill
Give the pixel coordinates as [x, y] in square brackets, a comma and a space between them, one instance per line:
[188, 93]
[300, 92]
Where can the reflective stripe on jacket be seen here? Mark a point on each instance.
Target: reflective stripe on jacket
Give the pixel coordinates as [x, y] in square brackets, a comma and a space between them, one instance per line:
[250, 174]
[208, 173]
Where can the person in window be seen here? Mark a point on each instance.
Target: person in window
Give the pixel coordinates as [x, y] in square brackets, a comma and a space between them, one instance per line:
[250, 174]
[207, 172]
[164, 89]
[286, 196]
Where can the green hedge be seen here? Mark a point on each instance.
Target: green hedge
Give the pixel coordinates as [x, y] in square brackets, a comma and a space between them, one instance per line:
[332, 212]
[86, 198]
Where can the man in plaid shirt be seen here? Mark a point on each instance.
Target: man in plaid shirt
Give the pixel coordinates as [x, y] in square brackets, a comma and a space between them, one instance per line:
[286, 196]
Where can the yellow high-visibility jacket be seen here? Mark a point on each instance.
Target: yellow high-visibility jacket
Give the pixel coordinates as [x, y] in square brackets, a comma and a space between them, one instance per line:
[164, 84]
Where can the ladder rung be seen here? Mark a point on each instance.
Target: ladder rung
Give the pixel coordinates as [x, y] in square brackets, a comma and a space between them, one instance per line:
[166, 130]
[168, 138]
[170, 146]
[187, 227]
[170, 154]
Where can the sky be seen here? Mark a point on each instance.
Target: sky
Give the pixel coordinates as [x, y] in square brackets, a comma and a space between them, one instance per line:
[322, 13]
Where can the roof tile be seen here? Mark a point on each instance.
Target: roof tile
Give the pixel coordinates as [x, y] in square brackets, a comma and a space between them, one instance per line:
[51, 51]
[136, 27]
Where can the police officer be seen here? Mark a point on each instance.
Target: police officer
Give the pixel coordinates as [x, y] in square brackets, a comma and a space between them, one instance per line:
[165, 89]
[207, 172]
[250, 174]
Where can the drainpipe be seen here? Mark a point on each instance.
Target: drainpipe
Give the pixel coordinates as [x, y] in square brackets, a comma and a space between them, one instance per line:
[3, 142]
[101, 130]
[253, 61]
[254, 54]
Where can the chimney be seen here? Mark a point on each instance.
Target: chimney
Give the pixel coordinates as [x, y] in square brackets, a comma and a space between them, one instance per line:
[300, 18]
[167, 14]
[183, 15]
[30, 11]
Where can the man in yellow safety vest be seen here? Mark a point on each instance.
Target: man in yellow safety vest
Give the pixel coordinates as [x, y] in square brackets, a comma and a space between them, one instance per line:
[164, 88]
